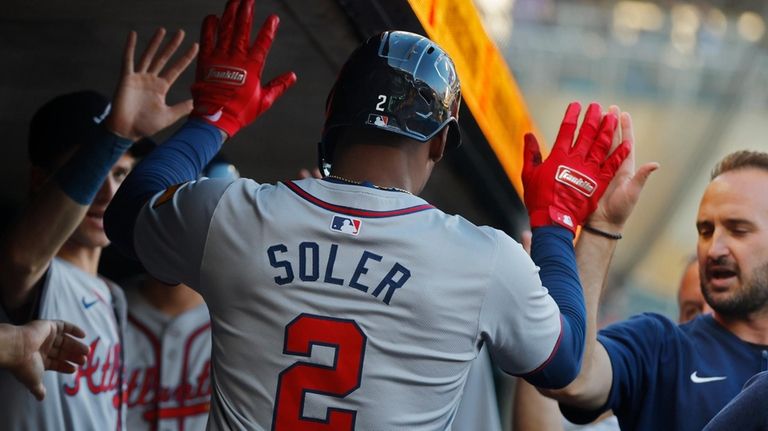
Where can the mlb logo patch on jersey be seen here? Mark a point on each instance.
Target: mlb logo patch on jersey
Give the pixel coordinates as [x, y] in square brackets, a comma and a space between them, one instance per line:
[346, 225]
[378, 120]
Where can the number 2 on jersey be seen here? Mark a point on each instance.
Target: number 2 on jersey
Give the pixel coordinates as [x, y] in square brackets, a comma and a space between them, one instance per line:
[338, 380]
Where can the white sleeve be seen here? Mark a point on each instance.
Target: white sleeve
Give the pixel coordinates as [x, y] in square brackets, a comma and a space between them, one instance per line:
[172, 228]
[519, 320]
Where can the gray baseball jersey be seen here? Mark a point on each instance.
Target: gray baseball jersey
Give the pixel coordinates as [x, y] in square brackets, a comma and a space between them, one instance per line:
[167, 367]
[479, 408]
[338, 306]
[90, 398]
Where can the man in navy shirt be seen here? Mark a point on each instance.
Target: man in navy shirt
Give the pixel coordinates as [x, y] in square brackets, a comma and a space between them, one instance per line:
[655, 374]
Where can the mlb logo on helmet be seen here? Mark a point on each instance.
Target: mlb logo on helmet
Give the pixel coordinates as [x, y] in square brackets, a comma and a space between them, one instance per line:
[378, 120]
[346, 225]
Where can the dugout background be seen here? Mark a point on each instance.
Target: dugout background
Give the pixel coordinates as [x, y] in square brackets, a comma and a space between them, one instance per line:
[51, 47]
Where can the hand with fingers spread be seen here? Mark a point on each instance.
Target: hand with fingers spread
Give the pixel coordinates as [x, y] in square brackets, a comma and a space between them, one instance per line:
[227, 91]
[623, 191]
[46, 345]
[565, 188]
[139, 108]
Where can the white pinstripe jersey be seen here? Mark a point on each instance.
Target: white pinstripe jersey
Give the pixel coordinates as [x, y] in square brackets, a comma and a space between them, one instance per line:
[89, 399]
[338, 306]
[167, 366]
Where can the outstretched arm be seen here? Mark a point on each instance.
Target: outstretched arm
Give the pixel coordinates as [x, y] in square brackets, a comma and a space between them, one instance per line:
[560, 193]
[55, 211]
[228, 95]
[591, 388]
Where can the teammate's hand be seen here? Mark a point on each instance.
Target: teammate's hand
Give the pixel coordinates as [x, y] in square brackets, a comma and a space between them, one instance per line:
[624, 190]
[139, 108]
[566, 187]
[46, 345]
[227, 91]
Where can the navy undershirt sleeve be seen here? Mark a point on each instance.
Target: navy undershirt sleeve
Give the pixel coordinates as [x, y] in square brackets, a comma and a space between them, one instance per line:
[552, 251]
[178, 160]
[82, 176]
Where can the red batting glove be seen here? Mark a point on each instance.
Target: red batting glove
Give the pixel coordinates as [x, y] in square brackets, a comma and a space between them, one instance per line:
[227, 91]
[566, 188]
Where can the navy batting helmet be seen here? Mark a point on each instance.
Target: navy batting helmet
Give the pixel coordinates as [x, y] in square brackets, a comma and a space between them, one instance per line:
[398, 82]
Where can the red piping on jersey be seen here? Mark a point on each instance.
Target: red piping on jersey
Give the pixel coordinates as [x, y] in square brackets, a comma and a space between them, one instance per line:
[180, 412]
[353, 211]
[155, 342]
[184, 368]
[551, 355]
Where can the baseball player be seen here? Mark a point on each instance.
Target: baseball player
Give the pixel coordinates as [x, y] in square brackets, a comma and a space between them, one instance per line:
[168, 348]
[48, 259]
[349, 302]
[168, 354]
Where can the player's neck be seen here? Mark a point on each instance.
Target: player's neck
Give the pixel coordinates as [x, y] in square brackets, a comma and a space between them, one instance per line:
[85, 258]
[752, 329]
[170, 300]
[384, 166]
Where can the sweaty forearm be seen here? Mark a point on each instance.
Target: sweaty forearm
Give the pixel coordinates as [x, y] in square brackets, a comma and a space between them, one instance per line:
[178, 160]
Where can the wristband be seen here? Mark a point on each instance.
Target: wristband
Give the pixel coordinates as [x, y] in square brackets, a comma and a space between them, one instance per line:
[82, 176]
[595, 231]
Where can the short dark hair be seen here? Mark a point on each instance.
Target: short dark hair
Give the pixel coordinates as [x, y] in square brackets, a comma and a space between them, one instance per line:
[65, 122]
[740, 160]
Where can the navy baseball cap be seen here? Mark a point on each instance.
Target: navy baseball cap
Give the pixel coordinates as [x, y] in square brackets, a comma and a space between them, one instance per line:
[62, 124]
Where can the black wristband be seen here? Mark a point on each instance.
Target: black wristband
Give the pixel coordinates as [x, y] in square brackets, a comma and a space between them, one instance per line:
[609, 235]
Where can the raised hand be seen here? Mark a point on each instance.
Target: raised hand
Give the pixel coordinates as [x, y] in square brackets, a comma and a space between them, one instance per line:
[227, 91]
[139, 108]
[565, 188]
[623, 191]
[46, 345]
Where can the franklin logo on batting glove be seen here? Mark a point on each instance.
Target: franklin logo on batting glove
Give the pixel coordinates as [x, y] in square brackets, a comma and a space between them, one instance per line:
[226, 75]
[571, 177]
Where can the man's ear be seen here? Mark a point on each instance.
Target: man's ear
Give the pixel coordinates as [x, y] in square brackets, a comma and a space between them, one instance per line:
[437, 145]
